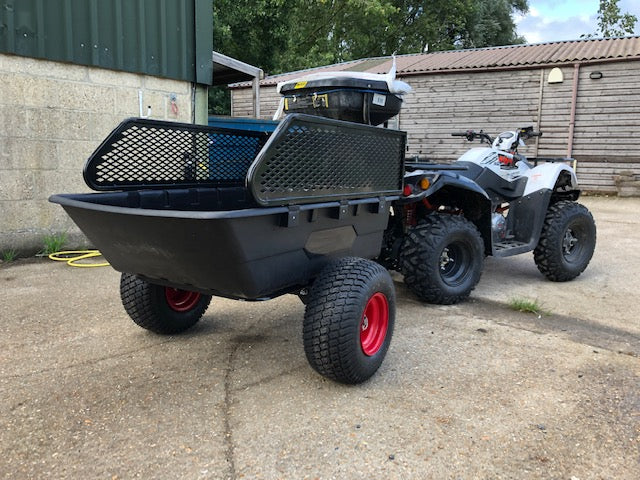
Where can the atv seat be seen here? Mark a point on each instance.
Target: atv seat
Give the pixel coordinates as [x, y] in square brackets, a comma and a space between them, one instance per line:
[496, 187]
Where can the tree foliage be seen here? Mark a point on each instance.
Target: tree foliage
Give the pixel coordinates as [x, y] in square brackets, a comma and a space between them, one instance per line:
[492, 23]
[285, 35]
[612, 23]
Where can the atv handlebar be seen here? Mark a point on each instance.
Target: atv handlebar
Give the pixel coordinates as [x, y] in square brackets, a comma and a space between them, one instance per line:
[471, 135]
[528, 132]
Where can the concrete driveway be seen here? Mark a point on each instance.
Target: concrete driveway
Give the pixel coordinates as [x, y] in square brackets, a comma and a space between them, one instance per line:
[473, 391]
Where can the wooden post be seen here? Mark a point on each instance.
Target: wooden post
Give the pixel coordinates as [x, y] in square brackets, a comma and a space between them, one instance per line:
[574, 101]
[256, 97]
[539, 111]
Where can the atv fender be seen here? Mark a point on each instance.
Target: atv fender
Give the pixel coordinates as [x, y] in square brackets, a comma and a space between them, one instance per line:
[545, 177]
[438, 181]
[454, 190]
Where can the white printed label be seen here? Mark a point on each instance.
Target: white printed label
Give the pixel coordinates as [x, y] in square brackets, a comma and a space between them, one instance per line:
[379, 99]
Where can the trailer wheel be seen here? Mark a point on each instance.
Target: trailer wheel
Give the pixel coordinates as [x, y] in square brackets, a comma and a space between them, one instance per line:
[161, 309]
[442, 258]
[349, 320]
[567, 241]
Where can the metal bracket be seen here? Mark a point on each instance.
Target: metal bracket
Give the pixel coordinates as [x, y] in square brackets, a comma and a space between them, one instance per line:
[293, 216]
[343, 209]
[380, 207]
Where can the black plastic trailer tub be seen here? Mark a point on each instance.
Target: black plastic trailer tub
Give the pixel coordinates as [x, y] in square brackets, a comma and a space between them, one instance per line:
[196, 239]
[238, 213]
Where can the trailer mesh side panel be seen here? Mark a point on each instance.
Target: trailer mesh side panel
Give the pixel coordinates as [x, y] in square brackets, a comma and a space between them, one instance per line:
[307, 159]
[142, 153]
[310, 159]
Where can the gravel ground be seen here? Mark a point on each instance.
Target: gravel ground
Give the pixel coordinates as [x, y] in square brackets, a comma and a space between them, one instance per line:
[472, 391]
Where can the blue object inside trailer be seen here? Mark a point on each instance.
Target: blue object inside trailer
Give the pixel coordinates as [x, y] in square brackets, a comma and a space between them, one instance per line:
[243, 123]
[230, 155]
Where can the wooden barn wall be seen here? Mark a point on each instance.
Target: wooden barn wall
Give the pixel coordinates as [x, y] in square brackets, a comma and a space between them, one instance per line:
[242, 102]
[607, 122]
[606, 118]
[444, 103]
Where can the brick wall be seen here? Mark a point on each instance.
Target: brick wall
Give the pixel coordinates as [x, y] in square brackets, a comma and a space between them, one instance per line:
[52, 117]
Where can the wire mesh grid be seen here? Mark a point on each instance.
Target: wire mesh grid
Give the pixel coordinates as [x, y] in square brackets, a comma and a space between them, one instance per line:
[314, 158]
[306, 159]
[147, 153]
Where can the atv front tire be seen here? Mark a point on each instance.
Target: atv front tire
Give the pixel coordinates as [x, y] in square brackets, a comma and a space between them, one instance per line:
[567, 241]
[160, 309]
[442, 259]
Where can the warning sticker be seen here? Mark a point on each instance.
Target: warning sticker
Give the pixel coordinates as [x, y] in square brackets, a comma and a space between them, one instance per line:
[379, 99]
[300, 85]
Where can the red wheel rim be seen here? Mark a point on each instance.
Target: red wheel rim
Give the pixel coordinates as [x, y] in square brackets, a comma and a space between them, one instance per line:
[181, 300]
[374, 324]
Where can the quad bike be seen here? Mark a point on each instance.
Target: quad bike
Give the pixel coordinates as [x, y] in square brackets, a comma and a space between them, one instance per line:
[491, 201]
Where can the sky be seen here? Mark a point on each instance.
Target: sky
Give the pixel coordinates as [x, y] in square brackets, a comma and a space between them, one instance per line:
[553, 20]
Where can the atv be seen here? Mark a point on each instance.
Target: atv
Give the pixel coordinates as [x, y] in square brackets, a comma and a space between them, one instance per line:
[490, 201]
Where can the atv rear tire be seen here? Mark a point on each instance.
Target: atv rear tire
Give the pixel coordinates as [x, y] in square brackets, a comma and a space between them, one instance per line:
[442, 259]
[160, 309]
[349, 319]
[567, 241]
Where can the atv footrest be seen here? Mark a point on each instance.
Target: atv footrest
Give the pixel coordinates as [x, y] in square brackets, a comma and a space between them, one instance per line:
[510, 247]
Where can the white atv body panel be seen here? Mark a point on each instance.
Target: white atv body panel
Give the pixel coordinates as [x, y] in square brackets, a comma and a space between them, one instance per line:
[480, 155]
[507, 141]
[544, 176]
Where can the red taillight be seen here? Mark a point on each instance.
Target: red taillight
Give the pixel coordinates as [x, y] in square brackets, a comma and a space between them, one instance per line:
[408, 190]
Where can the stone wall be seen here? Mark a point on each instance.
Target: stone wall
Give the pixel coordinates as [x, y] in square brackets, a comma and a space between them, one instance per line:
[52, 117]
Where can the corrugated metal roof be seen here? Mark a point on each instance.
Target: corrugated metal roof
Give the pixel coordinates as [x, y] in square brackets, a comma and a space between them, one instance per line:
[508, 57]
[171, 39]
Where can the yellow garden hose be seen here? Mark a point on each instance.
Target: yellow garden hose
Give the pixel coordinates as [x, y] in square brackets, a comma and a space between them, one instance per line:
[72, 257]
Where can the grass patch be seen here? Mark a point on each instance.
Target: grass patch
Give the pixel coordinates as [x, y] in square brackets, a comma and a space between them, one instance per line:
[527, 306]
[9, 255]
[54, 243]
